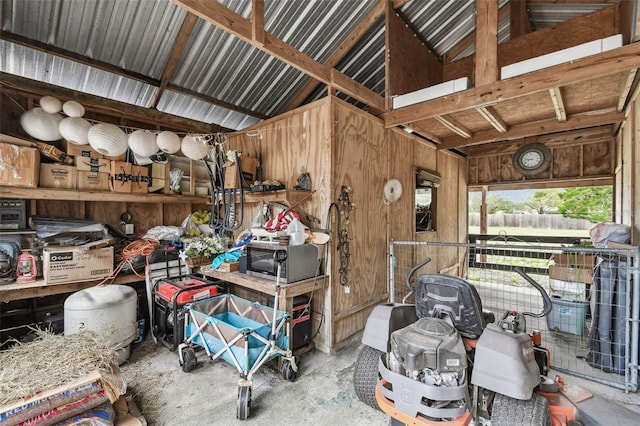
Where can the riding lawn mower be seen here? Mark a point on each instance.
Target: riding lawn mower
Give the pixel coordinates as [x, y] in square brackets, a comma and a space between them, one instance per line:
[445, 361]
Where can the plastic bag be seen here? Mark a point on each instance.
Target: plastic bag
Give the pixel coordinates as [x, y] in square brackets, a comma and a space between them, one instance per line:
[604, 232]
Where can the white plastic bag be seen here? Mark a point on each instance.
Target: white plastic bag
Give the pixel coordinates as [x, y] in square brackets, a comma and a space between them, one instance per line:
[604, 232]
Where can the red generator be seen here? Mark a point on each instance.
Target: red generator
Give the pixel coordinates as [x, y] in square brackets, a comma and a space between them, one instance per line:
[170, 295]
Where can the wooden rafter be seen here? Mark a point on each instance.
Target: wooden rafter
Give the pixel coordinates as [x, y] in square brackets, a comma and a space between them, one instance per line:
[453, 125]
[376, 13]
[490, 114]
[519, 21]
[218, 102]
[518, 131]
[622, 100]
[226, 19]
[470, 39]
[558, 103]
[595, 66]
[23, 86]
[257, 21]
[72, 56]
[178, 46]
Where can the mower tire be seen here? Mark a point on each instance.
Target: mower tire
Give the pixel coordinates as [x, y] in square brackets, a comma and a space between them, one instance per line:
[365, 375]
[515, 412]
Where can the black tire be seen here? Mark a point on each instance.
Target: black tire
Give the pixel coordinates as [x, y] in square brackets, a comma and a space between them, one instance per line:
[288, 373]
[365, 375]
[189, 359]
[243, 405]
[515, 412]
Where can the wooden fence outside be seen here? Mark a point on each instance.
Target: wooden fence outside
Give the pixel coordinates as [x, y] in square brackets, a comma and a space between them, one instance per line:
[542, 221]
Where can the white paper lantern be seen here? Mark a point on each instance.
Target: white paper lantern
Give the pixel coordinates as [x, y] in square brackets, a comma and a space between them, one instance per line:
[108, 139]
[73, 109]
[194, 147]
[50, 104]
[168, 142]
[41, 125]
[143, 142]
[75, 130]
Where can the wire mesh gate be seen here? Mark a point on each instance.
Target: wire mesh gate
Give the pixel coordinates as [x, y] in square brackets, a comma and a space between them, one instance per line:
[593, 328]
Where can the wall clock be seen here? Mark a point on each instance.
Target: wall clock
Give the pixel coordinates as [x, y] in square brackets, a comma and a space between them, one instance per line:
[532, 159]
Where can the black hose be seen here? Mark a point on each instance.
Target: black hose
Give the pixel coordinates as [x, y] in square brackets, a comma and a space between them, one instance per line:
[545, 297]
[410, 276]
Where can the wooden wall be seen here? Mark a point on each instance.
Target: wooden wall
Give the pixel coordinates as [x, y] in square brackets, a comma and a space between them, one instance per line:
[340, 145]
[602, 23]
[627, 180]
[584, 155]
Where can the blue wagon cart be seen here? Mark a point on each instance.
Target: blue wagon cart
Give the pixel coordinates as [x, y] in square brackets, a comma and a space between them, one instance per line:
[246, 334]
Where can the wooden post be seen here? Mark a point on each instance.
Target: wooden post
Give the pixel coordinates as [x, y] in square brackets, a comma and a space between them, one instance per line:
[486, 69]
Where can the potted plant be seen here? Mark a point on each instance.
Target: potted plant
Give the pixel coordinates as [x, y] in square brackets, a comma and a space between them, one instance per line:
[201, 250]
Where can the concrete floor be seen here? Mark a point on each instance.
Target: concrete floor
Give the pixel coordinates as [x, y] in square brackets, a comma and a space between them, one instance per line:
[323, 393]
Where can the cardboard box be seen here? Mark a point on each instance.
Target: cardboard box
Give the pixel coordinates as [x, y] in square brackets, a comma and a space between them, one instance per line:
[249, 173]
[158, 175]
[228, 267]
[139, 179]
[120, 176]
[93, 181]
[93, 164]
[58, 176]
[80, 151]
[576, 260]
[76, 263]
[19, 166]
[571, 274]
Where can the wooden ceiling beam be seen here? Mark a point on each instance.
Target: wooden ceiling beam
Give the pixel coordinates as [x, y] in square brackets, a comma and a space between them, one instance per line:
[217, 102]
[75, 57]
[226, 19]
[26, 87]
[178, 46]
[577, 121]
[354, 37]
[491, 115]
[451, 124]
[257, 21]
[558, 103]
[622, 100]
[580, 70]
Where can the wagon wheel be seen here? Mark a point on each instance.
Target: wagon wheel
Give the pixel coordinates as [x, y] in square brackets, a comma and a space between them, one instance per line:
[189, 359]
[243, 405]
[288, 373]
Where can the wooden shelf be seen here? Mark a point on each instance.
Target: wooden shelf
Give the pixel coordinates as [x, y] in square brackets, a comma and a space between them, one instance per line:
[39, 288]
[78, 195]
[285, 196]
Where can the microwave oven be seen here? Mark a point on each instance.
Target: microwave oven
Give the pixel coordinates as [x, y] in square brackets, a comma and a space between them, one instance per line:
[301, 261]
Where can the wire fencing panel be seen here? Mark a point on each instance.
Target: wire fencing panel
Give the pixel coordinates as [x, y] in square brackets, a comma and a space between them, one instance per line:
[592, 329]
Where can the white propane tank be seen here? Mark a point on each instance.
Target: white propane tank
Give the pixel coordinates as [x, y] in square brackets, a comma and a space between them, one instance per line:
[108, 310]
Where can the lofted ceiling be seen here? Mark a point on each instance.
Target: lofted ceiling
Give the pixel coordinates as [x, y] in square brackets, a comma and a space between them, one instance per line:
[213, 62]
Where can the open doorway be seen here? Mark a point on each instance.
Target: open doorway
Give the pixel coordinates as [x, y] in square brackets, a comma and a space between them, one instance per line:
[570, 211]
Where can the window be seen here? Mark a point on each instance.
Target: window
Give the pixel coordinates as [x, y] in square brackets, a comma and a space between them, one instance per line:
[427, 183]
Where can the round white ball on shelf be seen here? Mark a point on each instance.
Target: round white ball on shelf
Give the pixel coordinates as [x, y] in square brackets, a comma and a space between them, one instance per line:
[194, 147]
[108, 139]
[168, 142]
[75, 130]
[143, 142]
[41, 125]
[50, 104]
[73, 109]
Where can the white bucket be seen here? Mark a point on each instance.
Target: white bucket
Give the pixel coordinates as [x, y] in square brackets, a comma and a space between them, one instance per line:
[108, 310]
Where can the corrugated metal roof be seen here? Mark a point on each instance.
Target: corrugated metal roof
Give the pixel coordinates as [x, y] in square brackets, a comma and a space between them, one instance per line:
[138, 36]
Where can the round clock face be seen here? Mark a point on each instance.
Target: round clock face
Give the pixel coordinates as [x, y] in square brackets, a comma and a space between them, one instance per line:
[532, 159]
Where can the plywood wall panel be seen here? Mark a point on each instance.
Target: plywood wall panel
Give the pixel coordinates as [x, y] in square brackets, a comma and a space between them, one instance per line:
[597, 158]
[70, 209]
[565, 163]
[107, 212]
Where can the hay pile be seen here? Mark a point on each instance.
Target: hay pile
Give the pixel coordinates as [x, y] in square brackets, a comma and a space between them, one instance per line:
[49, 361]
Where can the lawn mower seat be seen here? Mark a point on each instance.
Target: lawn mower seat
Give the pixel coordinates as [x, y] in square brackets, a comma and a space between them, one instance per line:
[440, 295]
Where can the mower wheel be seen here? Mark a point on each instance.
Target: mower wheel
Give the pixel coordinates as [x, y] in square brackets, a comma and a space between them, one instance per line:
[288, 373]
[514, 412]
[243, 405]
[365, 375]
[189, 359]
